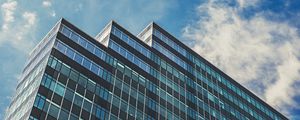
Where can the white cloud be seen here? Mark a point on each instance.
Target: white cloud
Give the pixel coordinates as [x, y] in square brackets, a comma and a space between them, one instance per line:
[253, 51]
[30, 18]
[18, 34]
[47, 3]
[8, 9]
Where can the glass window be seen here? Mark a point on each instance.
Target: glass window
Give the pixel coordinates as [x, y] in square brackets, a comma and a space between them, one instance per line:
[136, 61]
[82, 81]
[65, 70]
[123, 106]
[125, 37]
[127, 71]
[39, 102]
[63, 115]
[53, 111]
[118, 33]
[120, 67]
[98, 89]
[73, 117]
[53, 63]
[78, 100]
[122, 51]
[163, 64]
[44, 79]
[144, 51]
[87, 105]
[131, 43]
[78, 58]
[66, 31]
[143, 66]
[114, 46]
[94, 68]
[116, 101]
[99, 113]
[74, 75]
[100, 73]
[91, 86]
[103, 56]
[52, 85]
[47, 82]
[82, 42]
[70, 53]
[129, 56]
[138, 47]
[98, 52]
[175, 72]
[86, 63]
[69, 95]
[74, 37]
[62, 48]
[90, 47]
[60, 90]
[169, 68]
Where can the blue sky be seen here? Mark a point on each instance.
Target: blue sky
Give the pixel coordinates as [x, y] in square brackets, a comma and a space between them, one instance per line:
[254, 41]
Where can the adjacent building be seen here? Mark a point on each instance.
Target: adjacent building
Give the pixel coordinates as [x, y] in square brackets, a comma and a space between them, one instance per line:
[117, 75]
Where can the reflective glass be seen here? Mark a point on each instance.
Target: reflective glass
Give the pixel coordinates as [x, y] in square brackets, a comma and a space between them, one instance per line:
[90, 47]
[78, 58]
[86, 63]
[66, 31]
[74, 37]
[78, 100]
[60, 90]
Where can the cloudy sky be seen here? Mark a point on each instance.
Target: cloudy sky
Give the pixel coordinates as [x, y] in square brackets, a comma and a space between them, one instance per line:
[256, 42]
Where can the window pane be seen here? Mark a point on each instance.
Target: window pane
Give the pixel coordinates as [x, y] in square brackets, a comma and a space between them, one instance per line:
[122, 51]
[63, 115]
[90, 47]
[82, 42]
[129, 57]
[87, 105]
[75, 37]
[69, 95]
[86, 63]
[74, 75]
[53, 111]
[118, 33]
[78, 58]
[66, 31]
[95, 68]
[70, 53]
[91, 86]
[65, 70]
[98, 52]
[78, 100]
[61, 47]
[82, 81]
[60, 90]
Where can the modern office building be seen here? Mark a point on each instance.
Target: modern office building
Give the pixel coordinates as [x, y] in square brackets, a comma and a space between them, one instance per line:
[117, 75]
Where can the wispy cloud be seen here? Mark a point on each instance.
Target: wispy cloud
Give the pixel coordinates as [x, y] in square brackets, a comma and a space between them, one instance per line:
[47, 3]
[257, 52]
[8, 9]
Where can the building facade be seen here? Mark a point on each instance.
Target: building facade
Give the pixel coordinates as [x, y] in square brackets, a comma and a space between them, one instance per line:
[117, 75]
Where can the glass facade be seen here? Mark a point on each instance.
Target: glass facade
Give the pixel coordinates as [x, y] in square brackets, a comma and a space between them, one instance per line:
[116, 75]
